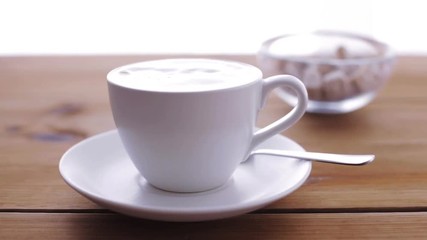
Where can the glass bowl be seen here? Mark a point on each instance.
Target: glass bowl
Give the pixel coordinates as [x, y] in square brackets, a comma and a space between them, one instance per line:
[341, 71]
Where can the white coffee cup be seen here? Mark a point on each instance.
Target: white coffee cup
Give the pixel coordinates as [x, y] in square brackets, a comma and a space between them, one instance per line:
[187, 124]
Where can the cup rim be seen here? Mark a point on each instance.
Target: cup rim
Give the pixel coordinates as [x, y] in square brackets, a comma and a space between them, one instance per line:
[257, 76]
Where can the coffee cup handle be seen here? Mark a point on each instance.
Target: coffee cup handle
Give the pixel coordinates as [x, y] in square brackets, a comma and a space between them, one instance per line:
[290, 118]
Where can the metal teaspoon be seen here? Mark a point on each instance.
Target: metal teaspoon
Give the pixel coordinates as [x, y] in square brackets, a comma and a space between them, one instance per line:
[345, 159]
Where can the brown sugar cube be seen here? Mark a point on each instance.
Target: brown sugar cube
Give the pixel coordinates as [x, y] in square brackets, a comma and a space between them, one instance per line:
[315, 94]
[349, 87]
[334, 85]
[364, 79]
[311, 77]
[325, 68]
[313, 81]
[341, 52]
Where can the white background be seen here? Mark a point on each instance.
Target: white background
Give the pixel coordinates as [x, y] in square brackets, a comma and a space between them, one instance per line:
[191, 26]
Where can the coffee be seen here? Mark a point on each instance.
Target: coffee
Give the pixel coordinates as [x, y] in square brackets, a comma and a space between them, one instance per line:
[184, 75]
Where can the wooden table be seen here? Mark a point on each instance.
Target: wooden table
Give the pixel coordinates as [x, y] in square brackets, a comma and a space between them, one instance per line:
[47, 104]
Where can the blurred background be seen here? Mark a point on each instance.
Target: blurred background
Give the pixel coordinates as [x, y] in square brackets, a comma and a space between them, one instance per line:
[191, 26]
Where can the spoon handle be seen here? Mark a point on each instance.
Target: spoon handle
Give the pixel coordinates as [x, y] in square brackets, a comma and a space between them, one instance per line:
[319, 157]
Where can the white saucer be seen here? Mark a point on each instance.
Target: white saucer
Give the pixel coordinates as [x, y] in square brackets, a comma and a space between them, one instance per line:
[100, 169]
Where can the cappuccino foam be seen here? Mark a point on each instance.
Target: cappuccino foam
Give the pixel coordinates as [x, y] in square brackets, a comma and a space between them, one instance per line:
[184, 75]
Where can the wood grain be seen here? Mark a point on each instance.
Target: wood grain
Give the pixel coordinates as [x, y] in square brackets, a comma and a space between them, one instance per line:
[254, 226]
[47, 104]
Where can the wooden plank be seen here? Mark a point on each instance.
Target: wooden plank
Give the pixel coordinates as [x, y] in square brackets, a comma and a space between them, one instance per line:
[47, 104]
[254, 226]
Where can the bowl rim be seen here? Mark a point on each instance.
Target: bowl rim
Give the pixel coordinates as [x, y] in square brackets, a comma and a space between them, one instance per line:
[387, 54]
